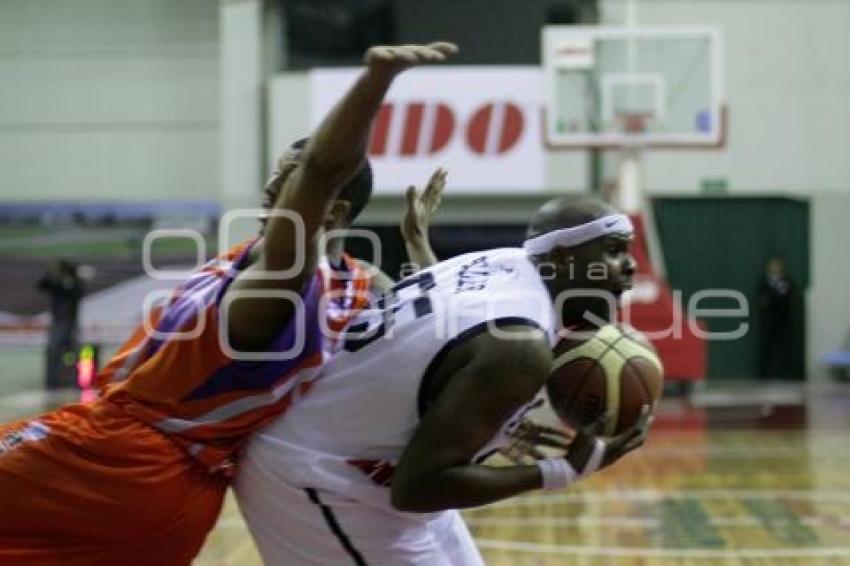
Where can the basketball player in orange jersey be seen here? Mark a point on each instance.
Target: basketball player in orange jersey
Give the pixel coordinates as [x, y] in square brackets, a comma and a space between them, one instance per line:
[370, 467]
[138, 477]
[343, 273]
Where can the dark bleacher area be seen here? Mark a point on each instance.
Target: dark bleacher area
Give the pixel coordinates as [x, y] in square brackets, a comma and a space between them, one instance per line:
[105, 236]
[20, 296]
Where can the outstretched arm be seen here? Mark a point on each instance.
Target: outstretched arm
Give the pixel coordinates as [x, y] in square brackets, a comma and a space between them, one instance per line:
[334, 153]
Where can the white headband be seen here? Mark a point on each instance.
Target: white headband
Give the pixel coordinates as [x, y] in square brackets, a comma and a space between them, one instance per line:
[568, 237]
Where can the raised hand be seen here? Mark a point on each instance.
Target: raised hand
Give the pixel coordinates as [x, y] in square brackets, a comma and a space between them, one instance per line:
[422, 206]
[396, 58]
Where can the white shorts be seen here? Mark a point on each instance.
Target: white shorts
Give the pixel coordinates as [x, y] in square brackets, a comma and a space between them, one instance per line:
[293, 525]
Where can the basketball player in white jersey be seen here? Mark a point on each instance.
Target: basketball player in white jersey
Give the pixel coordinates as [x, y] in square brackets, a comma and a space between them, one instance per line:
[370, 466]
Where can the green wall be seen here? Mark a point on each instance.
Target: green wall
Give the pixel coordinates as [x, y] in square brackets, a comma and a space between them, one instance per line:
[722, 243]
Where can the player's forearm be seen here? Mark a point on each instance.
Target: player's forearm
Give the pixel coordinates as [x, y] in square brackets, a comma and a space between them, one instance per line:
[334, 153]
[338, 146]
[465, 486]
[420, 253]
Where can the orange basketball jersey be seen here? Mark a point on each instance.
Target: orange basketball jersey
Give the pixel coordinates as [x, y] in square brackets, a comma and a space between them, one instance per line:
[179, 376]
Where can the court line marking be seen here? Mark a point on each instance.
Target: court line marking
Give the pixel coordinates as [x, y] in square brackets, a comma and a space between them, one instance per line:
[618, 552]
[609, 522]
[650, 522]
[643, 552]
[542, 548]
[825, 452]
[654, 495]
[227, 523]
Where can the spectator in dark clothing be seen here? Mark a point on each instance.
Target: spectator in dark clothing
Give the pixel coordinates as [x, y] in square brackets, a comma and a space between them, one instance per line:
[775, 298]
[65, 287]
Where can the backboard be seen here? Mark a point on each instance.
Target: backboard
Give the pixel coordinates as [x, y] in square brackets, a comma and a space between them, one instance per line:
[633, 87]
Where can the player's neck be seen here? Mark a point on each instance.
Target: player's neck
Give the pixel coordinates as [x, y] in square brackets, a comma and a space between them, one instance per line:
[584, 313]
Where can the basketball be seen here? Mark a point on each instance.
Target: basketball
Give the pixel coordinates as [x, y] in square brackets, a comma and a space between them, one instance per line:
[614, 369]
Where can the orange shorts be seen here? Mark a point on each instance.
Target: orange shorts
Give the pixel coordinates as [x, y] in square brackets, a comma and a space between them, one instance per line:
[90, 485]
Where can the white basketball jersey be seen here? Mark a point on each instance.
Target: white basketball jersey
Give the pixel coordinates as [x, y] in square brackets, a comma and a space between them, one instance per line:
[348, 432]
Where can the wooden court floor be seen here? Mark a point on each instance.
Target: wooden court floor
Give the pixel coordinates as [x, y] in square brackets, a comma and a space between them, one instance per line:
[736, 486]
[749, 484]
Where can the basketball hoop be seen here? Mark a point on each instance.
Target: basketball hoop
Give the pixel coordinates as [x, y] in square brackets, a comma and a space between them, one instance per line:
[633, 122]
[633, 87]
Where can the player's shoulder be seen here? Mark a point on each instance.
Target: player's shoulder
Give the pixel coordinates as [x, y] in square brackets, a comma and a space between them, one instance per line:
[492, 261]
[513, 339]
[493, 271]
[497, 285]
[506, 254]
